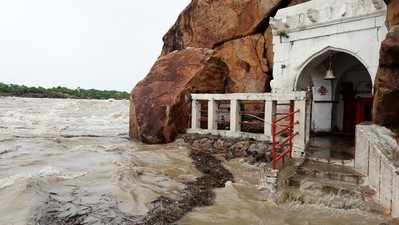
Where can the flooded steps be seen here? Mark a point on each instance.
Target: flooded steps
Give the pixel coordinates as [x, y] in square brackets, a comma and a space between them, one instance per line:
[339, 187]
[331, 194]
[325, 171]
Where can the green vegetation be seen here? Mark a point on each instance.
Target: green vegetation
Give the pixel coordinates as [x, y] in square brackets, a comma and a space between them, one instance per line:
[59, 92]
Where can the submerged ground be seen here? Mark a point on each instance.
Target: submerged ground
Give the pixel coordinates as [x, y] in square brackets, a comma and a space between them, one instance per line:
[71, 159]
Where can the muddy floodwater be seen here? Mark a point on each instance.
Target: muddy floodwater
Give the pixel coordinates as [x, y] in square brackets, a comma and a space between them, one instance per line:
[74, 157]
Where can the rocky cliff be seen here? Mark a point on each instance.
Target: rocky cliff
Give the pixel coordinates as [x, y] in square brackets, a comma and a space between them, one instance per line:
[386, 102]
[215, 46]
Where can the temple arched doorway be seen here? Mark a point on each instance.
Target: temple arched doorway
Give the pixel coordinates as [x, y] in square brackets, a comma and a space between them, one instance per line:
[341, 90]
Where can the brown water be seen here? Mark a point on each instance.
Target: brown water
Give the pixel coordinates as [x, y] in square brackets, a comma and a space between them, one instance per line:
[78, 151]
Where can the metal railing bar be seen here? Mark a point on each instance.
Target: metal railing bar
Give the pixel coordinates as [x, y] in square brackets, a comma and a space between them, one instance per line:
[253, 116]
[287, 116]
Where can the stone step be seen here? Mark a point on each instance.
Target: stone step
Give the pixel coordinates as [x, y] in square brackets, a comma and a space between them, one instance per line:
[325, 171]
[330, 193]
[326, 185]
[333, 186]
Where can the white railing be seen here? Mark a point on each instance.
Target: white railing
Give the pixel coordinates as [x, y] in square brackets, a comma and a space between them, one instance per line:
[271, 101]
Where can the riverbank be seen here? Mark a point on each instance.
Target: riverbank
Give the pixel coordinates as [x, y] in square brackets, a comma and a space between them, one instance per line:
[59, 92]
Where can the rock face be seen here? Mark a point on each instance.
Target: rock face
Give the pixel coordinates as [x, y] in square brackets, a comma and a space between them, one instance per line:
[246, 59]
[159, 103]
[393, 12]
[214, 46]
[208, 23]
[386, 109]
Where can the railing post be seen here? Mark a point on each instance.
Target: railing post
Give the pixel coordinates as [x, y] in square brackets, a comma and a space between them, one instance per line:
[291, 129]
[270, 111]
[300, 127]
[235, 119]
[274, 140]
[212, 115]
[195, 114]
[308, 119]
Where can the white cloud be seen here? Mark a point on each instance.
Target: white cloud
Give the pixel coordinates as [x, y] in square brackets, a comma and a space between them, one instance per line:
[103, 44]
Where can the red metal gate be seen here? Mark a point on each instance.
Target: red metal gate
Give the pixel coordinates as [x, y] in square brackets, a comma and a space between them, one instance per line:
[283, 148]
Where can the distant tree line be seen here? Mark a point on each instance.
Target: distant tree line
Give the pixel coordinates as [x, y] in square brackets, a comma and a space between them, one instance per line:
[59, 92]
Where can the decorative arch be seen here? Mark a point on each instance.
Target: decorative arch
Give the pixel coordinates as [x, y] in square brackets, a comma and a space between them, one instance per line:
[321, 53]
[333, 109]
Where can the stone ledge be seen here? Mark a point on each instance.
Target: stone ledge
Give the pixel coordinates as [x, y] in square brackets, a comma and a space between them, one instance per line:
[377, 157]
[230, 134]
[254, 152]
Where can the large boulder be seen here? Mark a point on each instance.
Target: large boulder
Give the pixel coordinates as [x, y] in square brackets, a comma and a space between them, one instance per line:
[206, 23]
[237, 31]
[248, 67]
[386, 109]
[160, 103]
[393, 12]
[268, 35]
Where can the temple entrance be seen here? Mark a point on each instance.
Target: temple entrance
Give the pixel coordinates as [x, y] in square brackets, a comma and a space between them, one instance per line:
[341, 88]
[321, 36]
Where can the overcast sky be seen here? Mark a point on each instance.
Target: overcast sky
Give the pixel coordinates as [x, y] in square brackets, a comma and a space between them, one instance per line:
[102, 44]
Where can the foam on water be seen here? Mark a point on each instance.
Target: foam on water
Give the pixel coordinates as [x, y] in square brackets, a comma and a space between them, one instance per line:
[85, 143]
[48, 171]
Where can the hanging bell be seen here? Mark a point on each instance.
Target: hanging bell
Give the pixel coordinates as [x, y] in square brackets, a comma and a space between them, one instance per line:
[330, 75]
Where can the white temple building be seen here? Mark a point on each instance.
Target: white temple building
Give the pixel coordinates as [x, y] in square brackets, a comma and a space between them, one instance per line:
[331, 49]
[342, 38]
[326, 57]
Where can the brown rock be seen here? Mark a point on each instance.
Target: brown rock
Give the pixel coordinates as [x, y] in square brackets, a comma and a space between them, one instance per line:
[269, 47]
[389, 54]
[269, 39]
[240, 148]
[247, 64]
[259, 151]
[386, 108]
[393, 12]
[223, 144]
[208, 23]
[160, 103]
[296, 2]
[204, 143]
[134, 127]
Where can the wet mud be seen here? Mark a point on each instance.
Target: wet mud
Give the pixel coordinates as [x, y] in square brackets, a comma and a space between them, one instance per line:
[198, 193]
